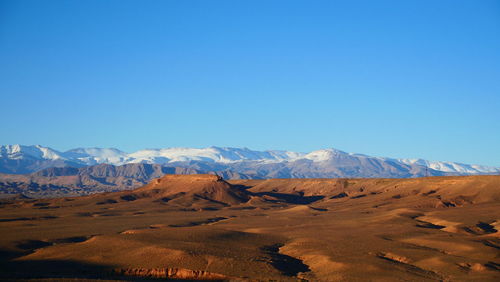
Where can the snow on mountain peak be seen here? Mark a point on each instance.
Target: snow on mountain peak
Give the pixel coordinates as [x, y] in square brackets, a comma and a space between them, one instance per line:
[97, 155]
[451, 166]
[324, 155]
[18, 151]
[210, 154]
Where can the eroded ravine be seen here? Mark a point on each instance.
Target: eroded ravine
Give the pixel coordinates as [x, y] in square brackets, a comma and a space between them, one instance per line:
[287, 265]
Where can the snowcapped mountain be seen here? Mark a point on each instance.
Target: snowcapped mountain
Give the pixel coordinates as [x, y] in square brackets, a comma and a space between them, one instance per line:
[211, 154]
[258, 164]
[91, 156]
[452, 167]
[15, 152]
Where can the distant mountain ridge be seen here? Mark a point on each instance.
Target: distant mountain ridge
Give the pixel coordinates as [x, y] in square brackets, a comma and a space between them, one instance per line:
[326, 163]
[68, 181]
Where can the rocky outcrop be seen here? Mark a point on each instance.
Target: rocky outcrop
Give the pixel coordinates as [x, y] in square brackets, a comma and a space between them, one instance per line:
[187, 189]
[171, 273]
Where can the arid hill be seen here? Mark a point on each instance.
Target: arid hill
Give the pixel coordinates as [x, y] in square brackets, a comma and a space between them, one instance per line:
[202, 190]
[199, 227]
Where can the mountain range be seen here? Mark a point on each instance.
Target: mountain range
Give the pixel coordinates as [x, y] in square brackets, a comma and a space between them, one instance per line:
[37, 171]
[20, 159]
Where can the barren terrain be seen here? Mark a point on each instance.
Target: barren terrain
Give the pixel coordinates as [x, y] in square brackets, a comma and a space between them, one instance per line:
[202, 227]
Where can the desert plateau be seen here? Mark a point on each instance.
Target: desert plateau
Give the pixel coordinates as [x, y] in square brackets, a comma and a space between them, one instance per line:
[201, 227]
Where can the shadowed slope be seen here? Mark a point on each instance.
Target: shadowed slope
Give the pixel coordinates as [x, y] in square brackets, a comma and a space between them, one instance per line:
[430, 191]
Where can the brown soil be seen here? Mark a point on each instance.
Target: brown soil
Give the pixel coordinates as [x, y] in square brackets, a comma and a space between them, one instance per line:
[202, 227]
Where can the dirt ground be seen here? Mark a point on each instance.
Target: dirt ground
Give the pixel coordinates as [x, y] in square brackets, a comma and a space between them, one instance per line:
[187, 228]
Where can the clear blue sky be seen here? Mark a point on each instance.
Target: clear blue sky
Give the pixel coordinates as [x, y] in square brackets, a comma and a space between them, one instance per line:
[385, 78]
